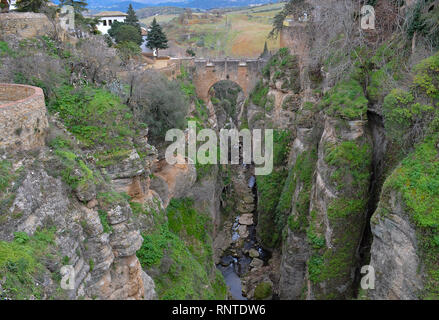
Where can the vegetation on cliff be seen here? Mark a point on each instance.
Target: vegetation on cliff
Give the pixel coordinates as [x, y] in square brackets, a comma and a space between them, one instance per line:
[412, 121]
[20, 264]
[179, 254]
[271, 222]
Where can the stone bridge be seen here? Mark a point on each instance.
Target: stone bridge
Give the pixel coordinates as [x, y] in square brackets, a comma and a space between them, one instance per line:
[245, 73]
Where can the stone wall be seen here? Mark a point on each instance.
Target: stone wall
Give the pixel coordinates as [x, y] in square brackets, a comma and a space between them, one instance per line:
[23, 120]
[244, 73]
[23, 25]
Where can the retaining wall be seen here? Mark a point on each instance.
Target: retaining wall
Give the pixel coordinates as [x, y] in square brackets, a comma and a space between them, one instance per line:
[23, 117]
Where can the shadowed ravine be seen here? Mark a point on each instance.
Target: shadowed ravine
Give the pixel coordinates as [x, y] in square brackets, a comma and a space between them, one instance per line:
[244, 253]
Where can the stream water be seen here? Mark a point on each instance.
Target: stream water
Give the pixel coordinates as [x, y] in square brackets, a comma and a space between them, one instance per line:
[236, 261]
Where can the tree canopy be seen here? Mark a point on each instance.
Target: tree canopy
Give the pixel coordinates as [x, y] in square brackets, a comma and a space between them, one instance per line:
[122, 32]
[132, 19]
[127, 31]
[31, 5]
[156, 37]
[78, 5]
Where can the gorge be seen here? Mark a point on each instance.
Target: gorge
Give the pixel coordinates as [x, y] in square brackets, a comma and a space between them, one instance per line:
[84, 181]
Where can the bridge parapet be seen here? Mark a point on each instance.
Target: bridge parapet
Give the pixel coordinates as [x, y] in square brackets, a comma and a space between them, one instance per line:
[220, 62]
[244, 72]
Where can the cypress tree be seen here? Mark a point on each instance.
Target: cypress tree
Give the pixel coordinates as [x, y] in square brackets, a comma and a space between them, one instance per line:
[132, 19]
[156, 37]
[78, 5]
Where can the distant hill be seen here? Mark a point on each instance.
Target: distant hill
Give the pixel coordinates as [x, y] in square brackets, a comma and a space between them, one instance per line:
[103, 5]
[152, 11]
[111, 5]
[203, 4]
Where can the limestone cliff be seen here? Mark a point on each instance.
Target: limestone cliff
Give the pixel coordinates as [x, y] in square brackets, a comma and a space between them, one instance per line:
[342, 137]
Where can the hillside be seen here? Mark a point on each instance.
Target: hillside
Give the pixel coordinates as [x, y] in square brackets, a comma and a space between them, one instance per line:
[236, 33]
[112, 5]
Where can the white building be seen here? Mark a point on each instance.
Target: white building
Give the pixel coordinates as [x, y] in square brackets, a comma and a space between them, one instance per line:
[12, 5]
[107, 18]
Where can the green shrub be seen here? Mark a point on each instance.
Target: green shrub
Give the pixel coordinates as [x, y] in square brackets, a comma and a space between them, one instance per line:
[417, 179]
[184, 240]
[401, 113]
[5, 50]
[270, 189]
[160, 103]
[98, 119]
[302, 171]
[316, 242]
[427, 76]
[350, 158]
[152, 248]
[315, 264]
[346, 101]
[6, 174]
[21, 237]
[107, 199]
[259, 95]
[263, 290]
[20, 264]
[103, 216]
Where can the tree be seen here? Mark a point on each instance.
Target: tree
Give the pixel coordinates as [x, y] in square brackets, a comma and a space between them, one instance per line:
[265, 54]
[190, 52]
[31, 5]
[158, 102]
[122, 32]
[128, 50]
[132, 19]
[94, 61]
[78, 5]
[4, 5]
[291, 7]
[156, 37]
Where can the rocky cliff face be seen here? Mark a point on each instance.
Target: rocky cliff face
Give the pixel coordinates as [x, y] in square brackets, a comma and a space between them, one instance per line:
[341, 151]
[395, 251]
[105, 262]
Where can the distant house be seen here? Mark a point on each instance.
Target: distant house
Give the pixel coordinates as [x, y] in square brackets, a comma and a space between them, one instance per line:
[107, 18]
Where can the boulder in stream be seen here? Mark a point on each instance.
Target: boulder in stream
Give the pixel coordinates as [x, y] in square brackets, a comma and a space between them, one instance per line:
[253, 253]
[248, 199]
[243, 232]
[256, 263]
[246, 219]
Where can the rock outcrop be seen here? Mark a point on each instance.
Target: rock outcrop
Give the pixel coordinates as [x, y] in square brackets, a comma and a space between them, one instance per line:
[394, 252]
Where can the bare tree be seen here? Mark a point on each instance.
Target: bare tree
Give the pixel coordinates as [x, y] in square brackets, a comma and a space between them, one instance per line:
[95, 61]
[34, 67]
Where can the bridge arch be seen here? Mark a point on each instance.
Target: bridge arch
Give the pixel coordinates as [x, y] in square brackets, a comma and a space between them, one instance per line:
[208, 72]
